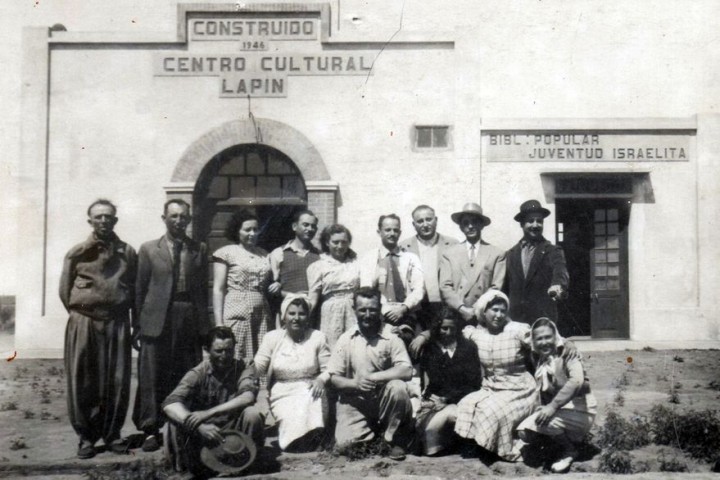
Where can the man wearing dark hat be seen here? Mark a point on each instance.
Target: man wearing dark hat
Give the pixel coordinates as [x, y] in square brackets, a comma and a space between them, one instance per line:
[213, 398]
[470, 268]
[536, 272]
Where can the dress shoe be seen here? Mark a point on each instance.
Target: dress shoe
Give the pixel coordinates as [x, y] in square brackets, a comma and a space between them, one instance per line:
[86, 450]
[151, 444]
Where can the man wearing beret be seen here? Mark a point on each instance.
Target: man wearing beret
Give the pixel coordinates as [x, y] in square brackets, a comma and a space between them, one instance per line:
[470, 268]
[536, 272]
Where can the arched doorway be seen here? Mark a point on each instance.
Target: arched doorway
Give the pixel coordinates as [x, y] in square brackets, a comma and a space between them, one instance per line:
[253, 176]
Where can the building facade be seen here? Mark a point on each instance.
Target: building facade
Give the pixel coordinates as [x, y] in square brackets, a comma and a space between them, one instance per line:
[355, 110]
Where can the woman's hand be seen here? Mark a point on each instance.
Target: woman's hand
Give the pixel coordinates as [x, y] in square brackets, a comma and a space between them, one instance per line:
[317, 388]
[545, 415]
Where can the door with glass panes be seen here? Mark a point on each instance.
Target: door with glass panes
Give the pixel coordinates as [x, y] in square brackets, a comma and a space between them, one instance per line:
[594, 236]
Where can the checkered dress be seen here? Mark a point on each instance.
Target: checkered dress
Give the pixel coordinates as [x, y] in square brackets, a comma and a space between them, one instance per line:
[508, 393]
[246, 310]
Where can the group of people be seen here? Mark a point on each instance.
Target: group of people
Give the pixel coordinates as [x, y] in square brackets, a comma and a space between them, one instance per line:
[342, 351]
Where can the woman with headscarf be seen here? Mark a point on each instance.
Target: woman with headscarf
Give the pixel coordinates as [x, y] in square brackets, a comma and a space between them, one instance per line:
[508, 393]
[332, 281]
[294, 359]
[451, 368]
[568, 408]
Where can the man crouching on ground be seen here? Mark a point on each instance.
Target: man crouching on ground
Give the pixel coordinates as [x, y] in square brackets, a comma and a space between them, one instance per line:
[369, 368]
[217, 394]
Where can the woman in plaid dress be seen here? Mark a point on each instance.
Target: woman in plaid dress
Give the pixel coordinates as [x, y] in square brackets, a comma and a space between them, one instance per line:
[241, 276]
[509, 392]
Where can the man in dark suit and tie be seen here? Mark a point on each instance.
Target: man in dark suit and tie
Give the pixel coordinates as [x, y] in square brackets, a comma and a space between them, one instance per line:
[428, 245]
[536, 272]
[472, 267]
[171, 301]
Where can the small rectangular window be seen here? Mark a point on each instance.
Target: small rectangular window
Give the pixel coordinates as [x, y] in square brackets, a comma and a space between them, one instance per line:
[432, 137]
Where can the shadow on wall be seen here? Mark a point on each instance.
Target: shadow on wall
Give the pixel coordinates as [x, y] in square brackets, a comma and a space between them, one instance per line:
[7, 315]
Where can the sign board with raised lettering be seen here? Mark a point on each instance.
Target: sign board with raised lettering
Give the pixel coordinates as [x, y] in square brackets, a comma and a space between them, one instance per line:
[247, 53]
[587, 146]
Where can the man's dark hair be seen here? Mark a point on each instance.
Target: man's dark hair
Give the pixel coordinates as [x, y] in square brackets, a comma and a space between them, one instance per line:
[235, 223]
[300, 213]
[391, 216]
[102, 201]
[421, 207]
[219, 333]
[366, 292]
[176, 201]
[331, 230]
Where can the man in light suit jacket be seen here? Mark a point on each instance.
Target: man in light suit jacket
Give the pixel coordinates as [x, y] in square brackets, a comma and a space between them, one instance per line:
[397, 274]
[429, 246]
[171, 301]
[537, 275]
[472, 267]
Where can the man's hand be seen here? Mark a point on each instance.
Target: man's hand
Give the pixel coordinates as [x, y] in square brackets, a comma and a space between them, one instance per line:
[556, 292]
[211, 433]
[395, 313]
[545, 414]
[135, 339]
[275, 288]
[417, 345]
[466, 313]
[365, 383]
[196, 419]
[317, 388]
[570, 351]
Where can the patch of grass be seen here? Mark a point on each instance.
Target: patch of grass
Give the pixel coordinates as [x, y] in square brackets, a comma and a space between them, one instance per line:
[358, 451]
[8, 406]
[648, 348]
[714, 385]
[615, 461]
[28, 414]
[45, 415]
[622, 381]
[18, 443]
[678, 359]
[140, 470]
[673, 397]
[619, 433]
[673, 464]
[694, 432]
[619, 398]
[54, 371]
[45, 396]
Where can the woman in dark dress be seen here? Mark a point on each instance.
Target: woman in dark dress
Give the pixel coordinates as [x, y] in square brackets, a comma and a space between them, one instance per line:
[451, 370]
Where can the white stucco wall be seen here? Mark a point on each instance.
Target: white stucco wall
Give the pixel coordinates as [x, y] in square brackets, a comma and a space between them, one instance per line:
[117, 131]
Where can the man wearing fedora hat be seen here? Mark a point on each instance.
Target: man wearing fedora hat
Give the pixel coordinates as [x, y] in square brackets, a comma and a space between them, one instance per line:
[470, 268]
[536, 272]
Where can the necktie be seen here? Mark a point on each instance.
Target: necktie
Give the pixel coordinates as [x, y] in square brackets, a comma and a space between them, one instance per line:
[394, 290]
[472, 254]
[526, 256]
[177, 257]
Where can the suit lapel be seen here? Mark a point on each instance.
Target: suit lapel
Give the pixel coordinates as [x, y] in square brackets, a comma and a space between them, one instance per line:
[164, 251]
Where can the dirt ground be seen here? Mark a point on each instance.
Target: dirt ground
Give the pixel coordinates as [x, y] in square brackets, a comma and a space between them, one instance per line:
[36, 439]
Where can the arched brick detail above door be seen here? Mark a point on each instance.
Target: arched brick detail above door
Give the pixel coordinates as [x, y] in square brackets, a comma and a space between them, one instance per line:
[267, 132]
[321, 189]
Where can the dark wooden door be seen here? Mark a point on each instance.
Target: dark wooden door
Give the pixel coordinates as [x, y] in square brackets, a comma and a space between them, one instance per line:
[594, 236]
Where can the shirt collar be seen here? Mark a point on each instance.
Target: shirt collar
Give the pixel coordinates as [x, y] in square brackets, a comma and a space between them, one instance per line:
[382, 333]
[291, 246]
[534, 243]
[384, 251]
[429, 243]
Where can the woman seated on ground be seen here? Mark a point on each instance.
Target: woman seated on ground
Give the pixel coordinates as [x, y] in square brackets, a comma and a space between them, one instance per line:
[451, 368]
[294, 359]
[568, 408]
[508, 393]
